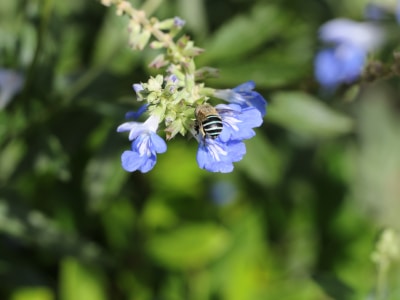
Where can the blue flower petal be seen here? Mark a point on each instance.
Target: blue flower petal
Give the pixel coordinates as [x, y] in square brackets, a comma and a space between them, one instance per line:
[257, 101]
[398, 12]
[158, 144]
[131, 161]
[138, 87]
[342, 64]
[136, 114]
[217, 156]
[238, 122]
[245, 87]
[326, 70]
[148, 163]
[205, 161]
[244, 96]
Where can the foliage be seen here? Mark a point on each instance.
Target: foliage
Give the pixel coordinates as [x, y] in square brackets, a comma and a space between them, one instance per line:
[299, 218]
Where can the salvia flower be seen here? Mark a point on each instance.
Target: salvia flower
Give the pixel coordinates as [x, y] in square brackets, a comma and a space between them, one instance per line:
[347, 45]
[244, 96]
[238, 122]
[215, 155]
[173, 98]
[378, 10]
[218, 155]
[397, 11]
[145, 145]
[168, 103]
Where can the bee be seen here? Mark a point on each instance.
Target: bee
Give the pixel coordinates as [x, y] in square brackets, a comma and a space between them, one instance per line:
[208, 122]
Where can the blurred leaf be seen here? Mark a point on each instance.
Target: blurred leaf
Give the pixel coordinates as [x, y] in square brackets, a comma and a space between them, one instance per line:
[79, 281]
[157, 214]
[9, 223]
[103, 176]
[334, 287]
[33, 293]
[112, 48]
[189, 246]
[193, 12]
[119, 219]
[244, 33]
[10, 157]
[282, 64]
[277, 74]
[378, 161]
[263, 162]
[304, 114]
[173, 167]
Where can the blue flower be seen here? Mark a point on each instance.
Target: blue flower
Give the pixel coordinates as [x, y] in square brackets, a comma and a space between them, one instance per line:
[238, 122]
[381, 10]
[397, 11]
[342, 64]
[244, 96]
[218, 156]
[344, 59]
[146, 143]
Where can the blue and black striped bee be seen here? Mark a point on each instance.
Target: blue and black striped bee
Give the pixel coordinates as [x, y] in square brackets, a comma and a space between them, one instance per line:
[208, 122]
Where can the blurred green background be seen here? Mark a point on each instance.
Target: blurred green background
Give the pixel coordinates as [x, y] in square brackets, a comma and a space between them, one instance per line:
[297, 219]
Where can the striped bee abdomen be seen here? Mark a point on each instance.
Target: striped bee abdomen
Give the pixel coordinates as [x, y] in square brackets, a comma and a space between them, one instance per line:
[212, 126]
[208, 122]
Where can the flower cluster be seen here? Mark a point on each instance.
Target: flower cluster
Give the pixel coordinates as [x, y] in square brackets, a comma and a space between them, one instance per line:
[344, 59]
[170, 100]
[243, 112]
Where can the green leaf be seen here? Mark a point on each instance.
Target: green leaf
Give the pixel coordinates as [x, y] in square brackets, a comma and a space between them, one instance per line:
[275, 73]
[263, 163]
[103, 176]
[304, 114]
[78, 281]
[10, 157]
[112, 46]
[189, 246]
[193, 11]
[378, 160]
[33, 293]
[243, 34]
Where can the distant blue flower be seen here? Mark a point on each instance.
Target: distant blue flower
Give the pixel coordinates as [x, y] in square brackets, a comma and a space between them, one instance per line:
[343, 60]
[11, 83]
[375, 12]
[342, 64]
[381, 10]
[146, 143]
[223, 192]
[218, 156]
[244, 96]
